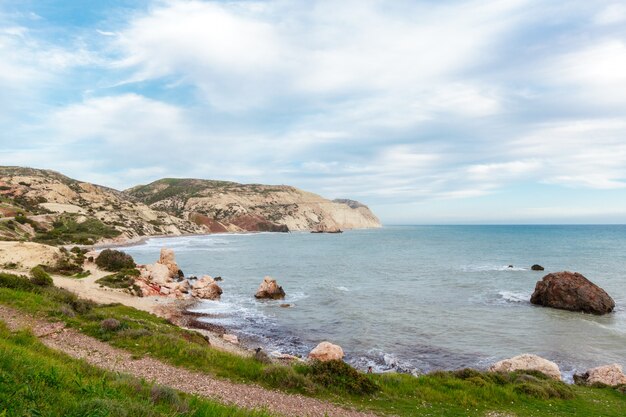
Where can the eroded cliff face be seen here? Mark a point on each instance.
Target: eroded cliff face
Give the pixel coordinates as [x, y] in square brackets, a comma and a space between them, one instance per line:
[225, 206]
[47, 199]
[56, 209]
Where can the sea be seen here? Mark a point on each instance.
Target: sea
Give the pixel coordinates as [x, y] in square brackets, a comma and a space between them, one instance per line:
[413, 298]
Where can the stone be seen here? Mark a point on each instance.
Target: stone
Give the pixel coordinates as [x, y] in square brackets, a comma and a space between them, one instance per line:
[168, 259]
[206, 288]
[528, 362]
[231, 338]
[536, 267]
[611, 375]
[326, 351]
[147, 289]
[270, 289]
[157, 273]
[571, 291]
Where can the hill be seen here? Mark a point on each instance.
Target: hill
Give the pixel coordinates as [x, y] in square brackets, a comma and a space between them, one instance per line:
[227, 206]
[49, 207]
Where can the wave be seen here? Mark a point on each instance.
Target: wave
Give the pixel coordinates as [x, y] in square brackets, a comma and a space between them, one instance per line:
[514, 297]
[491, 268]
[341, 288]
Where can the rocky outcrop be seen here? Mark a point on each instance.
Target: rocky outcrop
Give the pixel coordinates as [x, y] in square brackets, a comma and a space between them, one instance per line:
[536, 267]
[611, 375]
[168, 259]
[269, 288]
[528, 362]
[326, 351]
[220, 205]
[206, 288]
[156, 273]
[571, 291]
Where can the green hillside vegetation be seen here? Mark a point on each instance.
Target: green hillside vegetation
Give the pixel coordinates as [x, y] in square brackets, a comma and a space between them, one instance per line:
[460, 393]
[37, 381]
[66, 229]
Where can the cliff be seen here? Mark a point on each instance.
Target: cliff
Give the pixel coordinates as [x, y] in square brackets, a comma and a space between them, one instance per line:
[48, 207]
[229, 206]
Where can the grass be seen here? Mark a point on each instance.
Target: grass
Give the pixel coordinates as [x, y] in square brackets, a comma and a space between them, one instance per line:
[37, 381]
[459, 393]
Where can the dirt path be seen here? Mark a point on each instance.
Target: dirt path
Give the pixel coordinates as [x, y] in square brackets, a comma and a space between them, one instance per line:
[102, 355]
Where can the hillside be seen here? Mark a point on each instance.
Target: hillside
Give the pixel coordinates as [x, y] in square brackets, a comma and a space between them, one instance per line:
[48, 207]
[228, 206]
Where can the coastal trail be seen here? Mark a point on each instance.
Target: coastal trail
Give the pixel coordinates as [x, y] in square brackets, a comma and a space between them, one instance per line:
[56, 336]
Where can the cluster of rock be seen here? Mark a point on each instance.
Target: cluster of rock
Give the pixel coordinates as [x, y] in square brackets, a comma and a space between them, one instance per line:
[611, 375]
[165, 278]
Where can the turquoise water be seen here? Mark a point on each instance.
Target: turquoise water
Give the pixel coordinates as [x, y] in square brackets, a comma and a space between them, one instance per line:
[414, 298]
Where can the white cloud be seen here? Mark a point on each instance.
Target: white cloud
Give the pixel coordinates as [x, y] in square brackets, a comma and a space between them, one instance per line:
[245, 55]
[611, 14]
[588, 153]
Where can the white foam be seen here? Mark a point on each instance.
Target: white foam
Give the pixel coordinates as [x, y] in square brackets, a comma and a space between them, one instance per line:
[490, 268]
[343, 289]
[514, 297]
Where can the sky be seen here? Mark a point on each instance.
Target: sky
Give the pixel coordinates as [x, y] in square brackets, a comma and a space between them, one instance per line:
[430, 112]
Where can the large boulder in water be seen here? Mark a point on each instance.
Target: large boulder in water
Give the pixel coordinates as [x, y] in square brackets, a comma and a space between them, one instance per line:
[270, 289]
[528, 362]
[571, 291]
[326, 351]
[537, 267]
[611, 375]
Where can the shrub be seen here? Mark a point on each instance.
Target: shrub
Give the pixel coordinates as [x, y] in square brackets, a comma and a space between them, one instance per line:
[114, 260]
[286, 377]
[340, 375]
[110, 324]
[67, 310]
[16, 282]
[40, 277]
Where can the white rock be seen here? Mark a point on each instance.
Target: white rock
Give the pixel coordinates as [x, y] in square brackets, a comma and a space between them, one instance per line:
[231, 338]
[528, 362]
[608, 374]
[326, 351]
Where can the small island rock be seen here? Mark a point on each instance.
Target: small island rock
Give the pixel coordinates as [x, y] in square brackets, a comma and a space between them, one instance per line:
[206, 288]
[537, 267]
[571, 291]
[270, 289]
[611, 375]
[528, 362]
[326, 351]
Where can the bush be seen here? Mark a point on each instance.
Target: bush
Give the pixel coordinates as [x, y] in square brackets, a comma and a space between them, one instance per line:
[40, 277]
[16, 282]
[340, 375]
[287, 378]
[110, 324]
[114, 260]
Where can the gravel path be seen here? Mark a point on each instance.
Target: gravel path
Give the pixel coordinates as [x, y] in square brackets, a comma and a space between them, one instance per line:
[102, 355]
